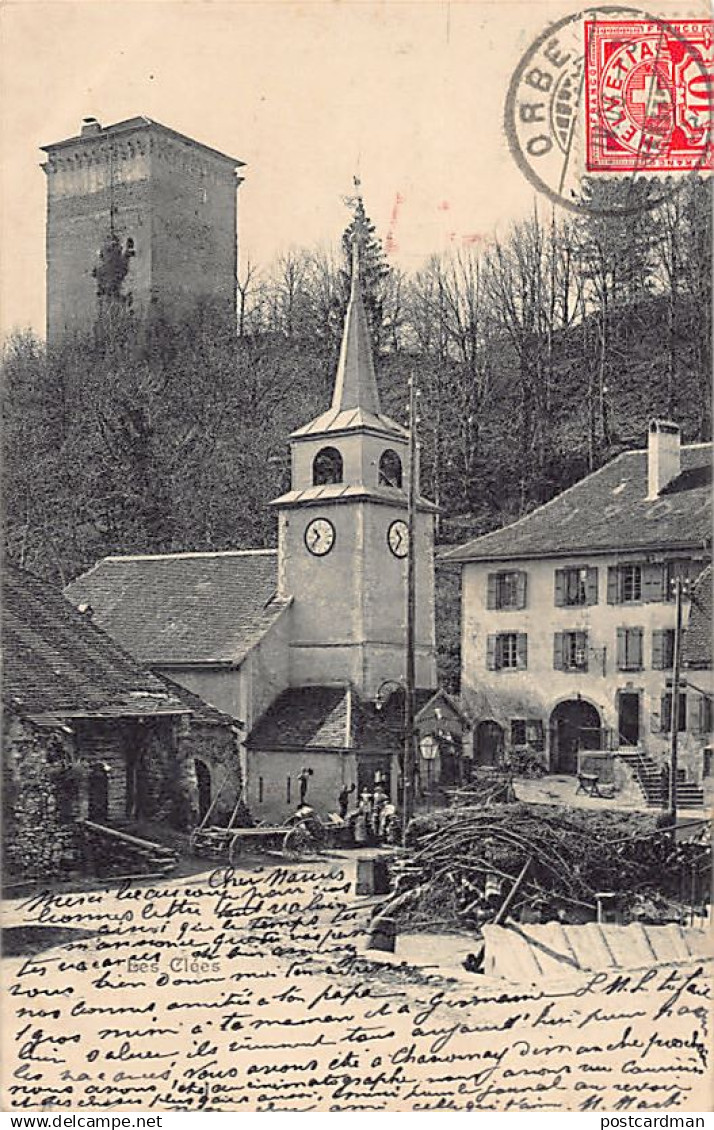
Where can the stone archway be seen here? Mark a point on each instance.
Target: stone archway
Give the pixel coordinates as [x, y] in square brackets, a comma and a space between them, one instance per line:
[575, 724]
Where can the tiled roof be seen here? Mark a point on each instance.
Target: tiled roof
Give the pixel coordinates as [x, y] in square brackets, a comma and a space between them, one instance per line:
[697, 649]
[607, 511]
[323, 718]
[184, 608]
[56, 662]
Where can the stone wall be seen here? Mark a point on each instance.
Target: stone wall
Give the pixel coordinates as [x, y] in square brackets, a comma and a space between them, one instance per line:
[217, 747]
[38, 827]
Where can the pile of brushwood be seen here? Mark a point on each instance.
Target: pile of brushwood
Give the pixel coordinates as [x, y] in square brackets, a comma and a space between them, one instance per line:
[459, 865]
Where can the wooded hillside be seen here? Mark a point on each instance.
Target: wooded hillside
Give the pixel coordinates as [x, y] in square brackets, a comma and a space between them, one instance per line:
[538, 357]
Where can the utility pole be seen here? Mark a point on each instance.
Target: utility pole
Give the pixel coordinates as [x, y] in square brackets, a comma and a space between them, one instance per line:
[676, 663]
[410, 679]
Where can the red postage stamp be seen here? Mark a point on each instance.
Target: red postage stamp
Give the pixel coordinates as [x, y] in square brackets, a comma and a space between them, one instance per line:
[649, 87]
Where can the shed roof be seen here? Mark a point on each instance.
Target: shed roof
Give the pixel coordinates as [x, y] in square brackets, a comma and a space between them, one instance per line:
[609, 511]
[324, 717]
[57, 663]
[184, 609]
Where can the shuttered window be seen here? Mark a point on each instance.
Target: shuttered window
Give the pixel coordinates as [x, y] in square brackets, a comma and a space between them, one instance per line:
[629, 649]
[666, 713]
[506, 590]
[570, 651]
[575, 586]
[507, 651]
[635, 583]
[662, 649]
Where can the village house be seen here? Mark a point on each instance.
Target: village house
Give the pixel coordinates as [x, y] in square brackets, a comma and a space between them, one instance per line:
[568, 615]
[92, 741]
[305, 644]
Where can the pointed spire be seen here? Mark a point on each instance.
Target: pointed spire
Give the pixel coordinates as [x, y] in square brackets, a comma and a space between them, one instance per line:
[356, 381]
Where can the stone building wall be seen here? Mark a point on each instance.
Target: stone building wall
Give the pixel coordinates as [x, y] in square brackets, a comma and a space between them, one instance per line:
[38, 829]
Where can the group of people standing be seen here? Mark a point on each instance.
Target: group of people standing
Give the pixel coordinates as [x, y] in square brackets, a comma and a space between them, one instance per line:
[373, 819]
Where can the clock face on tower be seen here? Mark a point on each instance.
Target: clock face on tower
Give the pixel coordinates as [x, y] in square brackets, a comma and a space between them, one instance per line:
[398, 538]
[320, 536]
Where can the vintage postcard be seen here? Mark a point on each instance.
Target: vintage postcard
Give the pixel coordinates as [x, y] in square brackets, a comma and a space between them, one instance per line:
[357, 682]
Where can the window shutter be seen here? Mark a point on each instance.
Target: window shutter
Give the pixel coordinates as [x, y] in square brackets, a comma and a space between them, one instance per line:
[622, 649]
[682, 713]
[521, 585]
[652, 582]
[697, 714]
[522, 650]
[491, 594]
[665, 713]
[491, 662]
[613, 588]
[658, 644]
[636, 656]
[559, 588]
[591, 585]
[558, 661]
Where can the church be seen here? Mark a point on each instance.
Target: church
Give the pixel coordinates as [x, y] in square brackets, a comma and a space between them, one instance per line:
[304, 646]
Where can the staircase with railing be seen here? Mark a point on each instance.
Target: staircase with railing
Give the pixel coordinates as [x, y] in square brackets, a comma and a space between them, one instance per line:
[654, 784]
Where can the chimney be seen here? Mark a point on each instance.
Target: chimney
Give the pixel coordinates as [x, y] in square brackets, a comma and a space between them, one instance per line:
[663, 456]
[89, 126]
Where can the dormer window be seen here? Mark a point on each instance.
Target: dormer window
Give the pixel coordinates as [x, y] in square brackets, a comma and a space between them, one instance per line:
[327, 467]
[390, 469]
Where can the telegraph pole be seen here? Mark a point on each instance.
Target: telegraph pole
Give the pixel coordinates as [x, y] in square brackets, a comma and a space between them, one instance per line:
[676, 664]
[410, 679]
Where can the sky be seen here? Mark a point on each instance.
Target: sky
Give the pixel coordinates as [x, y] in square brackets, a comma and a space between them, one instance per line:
[409, 95]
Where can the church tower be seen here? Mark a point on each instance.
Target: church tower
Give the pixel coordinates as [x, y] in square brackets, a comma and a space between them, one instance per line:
[343, 540]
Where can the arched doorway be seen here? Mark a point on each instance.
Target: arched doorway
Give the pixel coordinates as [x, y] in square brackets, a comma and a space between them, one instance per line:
[489, 742]
[98, 793]
[574, 725]
[203, 781]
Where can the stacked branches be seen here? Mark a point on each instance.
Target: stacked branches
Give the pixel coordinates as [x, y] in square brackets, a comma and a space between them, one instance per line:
[460, 864]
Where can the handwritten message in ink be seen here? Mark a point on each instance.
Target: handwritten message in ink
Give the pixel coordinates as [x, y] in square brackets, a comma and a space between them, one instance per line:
[255, 991]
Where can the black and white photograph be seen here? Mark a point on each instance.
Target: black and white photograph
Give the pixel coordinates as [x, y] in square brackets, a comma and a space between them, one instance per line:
[357, 688]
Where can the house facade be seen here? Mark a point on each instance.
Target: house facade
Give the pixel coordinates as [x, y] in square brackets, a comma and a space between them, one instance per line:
[568, 615]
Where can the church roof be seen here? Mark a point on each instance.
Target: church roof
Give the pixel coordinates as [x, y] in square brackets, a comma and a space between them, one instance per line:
[355, 398]
[324, 717]
[58, 664]
[184, 609]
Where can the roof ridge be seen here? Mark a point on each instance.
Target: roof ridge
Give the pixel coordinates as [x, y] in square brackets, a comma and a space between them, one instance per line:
[186, 555]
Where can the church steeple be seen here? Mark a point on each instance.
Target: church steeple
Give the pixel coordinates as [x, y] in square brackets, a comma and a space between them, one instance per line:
[356, 380]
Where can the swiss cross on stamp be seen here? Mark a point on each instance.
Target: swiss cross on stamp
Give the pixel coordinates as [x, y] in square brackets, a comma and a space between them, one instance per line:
[649, 89]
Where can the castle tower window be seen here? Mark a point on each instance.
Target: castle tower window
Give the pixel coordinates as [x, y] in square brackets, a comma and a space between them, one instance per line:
[390, 469]
[327, 467]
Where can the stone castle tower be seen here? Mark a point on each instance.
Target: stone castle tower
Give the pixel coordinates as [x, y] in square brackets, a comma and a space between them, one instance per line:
[140, 215]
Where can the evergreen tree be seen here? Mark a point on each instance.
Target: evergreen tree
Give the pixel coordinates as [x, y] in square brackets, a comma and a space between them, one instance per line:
[374, 268]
